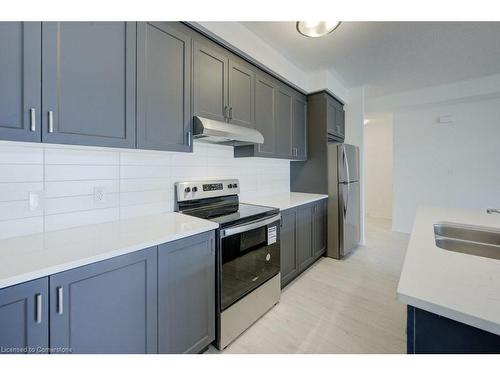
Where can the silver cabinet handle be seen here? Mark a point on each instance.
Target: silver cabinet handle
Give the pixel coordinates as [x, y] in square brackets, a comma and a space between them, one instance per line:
[225, 111]
[59, 309]
[32, 119]
[38, 308]
[189, 138]
[246, 227]
[51, 121]
[493, 211]
[230, 113]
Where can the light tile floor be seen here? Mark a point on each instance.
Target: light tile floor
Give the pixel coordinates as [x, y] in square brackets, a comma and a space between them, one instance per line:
[346, 306]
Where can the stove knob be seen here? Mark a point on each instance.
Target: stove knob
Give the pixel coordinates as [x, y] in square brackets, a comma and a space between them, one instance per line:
[230, 186]
[235, 185]
[187, 190]
[195, 189]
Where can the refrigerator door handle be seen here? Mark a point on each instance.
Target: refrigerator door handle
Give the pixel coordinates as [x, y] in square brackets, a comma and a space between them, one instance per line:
[344, 157]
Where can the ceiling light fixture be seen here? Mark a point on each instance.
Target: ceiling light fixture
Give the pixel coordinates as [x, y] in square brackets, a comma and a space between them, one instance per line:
[316, 29]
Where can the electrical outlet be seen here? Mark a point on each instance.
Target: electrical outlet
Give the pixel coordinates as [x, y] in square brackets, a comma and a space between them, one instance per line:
[34, 199]
[99, 194]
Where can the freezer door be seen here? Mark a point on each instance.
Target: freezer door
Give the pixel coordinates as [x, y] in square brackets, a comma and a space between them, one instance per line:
[349, 217]
[348, 163]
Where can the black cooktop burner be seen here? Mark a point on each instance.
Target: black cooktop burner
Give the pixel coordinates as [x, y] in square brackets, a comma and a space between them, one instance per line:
[227, 210]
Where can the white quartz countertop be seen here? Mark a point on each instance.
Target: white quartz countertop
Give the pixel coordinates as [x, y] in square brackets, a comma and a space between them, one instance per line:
[29, 257]
[462, 287]
[285, 201]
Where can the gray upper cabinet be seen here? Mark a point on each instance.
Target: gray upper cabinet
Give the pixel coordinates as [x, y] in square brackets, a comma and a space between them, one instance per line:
[20, 80]
[106, 307]
[284, 100]
[335, 118]
[88, 90]
[186, 290]
[163, 87]
[24, 317]
[299, 129]
[265, 115]
[210, 69]
[241, 95]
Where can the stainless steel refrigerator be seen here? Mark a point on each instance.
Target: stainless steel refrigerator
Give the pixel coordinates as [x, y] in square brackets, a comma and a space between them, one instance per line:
[344, 199]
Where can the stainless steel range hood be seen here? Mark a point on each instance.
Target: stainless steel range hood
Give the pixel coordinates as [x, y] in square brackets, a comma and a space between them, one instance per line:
[213, 131]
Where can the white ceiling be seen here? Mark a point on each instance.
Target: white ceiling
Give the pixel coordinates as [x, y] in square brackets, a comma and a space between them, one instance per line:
[390, 57]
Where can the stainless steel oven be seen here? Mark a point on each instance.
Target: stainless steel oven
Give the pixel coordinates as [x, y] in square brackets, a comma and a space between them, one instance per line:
[249, 256]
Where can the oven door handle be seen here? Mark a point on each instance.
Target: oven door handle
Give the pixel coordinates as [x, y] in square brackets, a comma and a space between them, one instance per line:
[252, 225]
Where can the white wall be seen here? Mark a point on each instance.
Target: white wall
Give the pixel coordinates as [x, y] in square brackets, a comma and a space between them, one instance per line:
[455, 164]
[354, 116]
[136, 182]
[378, 166]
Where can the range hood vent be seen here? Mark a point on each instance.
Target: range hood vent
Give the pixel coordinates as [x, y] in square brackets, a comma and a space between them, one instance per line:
[213, 131]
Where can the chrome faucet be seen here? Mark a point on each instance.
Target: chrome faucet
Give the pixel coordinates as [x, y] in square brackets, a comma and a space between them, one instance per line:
[493, 211]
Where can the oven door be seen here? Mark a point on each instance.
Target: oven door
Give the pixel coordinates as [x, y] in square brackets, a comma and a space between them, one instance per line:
[250, 255]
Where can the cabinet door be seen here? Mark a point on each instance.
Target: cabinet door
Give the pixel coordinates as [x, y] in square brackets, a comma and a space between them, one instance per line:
[89, 74]
[340, 122]
[299, 130]
[304, 236]
[241, 95]
[265, 95]
[288, 242]
[20, 81]
[331, 117]
[210, 82]
[163, 87]
[24, 317]
[106, 307]
[186, 289]
[319, 228]
[284, 101]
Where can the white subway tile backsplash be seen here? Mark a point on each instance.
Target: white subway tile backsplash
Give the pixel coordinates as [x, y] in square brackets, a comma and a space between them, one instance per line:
[80, 156]
[21, 172]
[16, 191]
[81, 172]
[76, 219]
[79, 203]
[17, 210]
[21, 227]
[21, 155]
[136, 182]
[79, 187]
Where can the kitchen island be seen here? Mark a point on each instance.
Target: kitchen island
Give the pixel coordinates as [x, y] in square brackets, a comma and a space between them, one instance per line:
[453, 298]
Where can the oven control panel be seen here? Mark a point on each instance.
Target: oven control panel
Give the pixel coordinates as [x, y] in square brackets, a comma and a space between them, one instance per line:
[192, 190]
[213, 187]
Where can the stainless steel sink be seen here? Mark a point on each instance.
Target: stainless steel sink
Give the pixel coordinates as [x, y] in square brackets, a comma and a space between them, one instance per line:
[468, 239]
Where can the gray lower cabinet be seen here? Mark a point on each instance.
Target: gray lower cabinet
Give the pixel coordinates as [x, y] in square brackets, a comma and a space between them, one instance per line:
[24, 318]
[20, 80]
[319, 228]
[288, 243]
[106, 307]
[163, 87]
[89, 83]
[186, 294]
[210, 67]
[303, 238]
